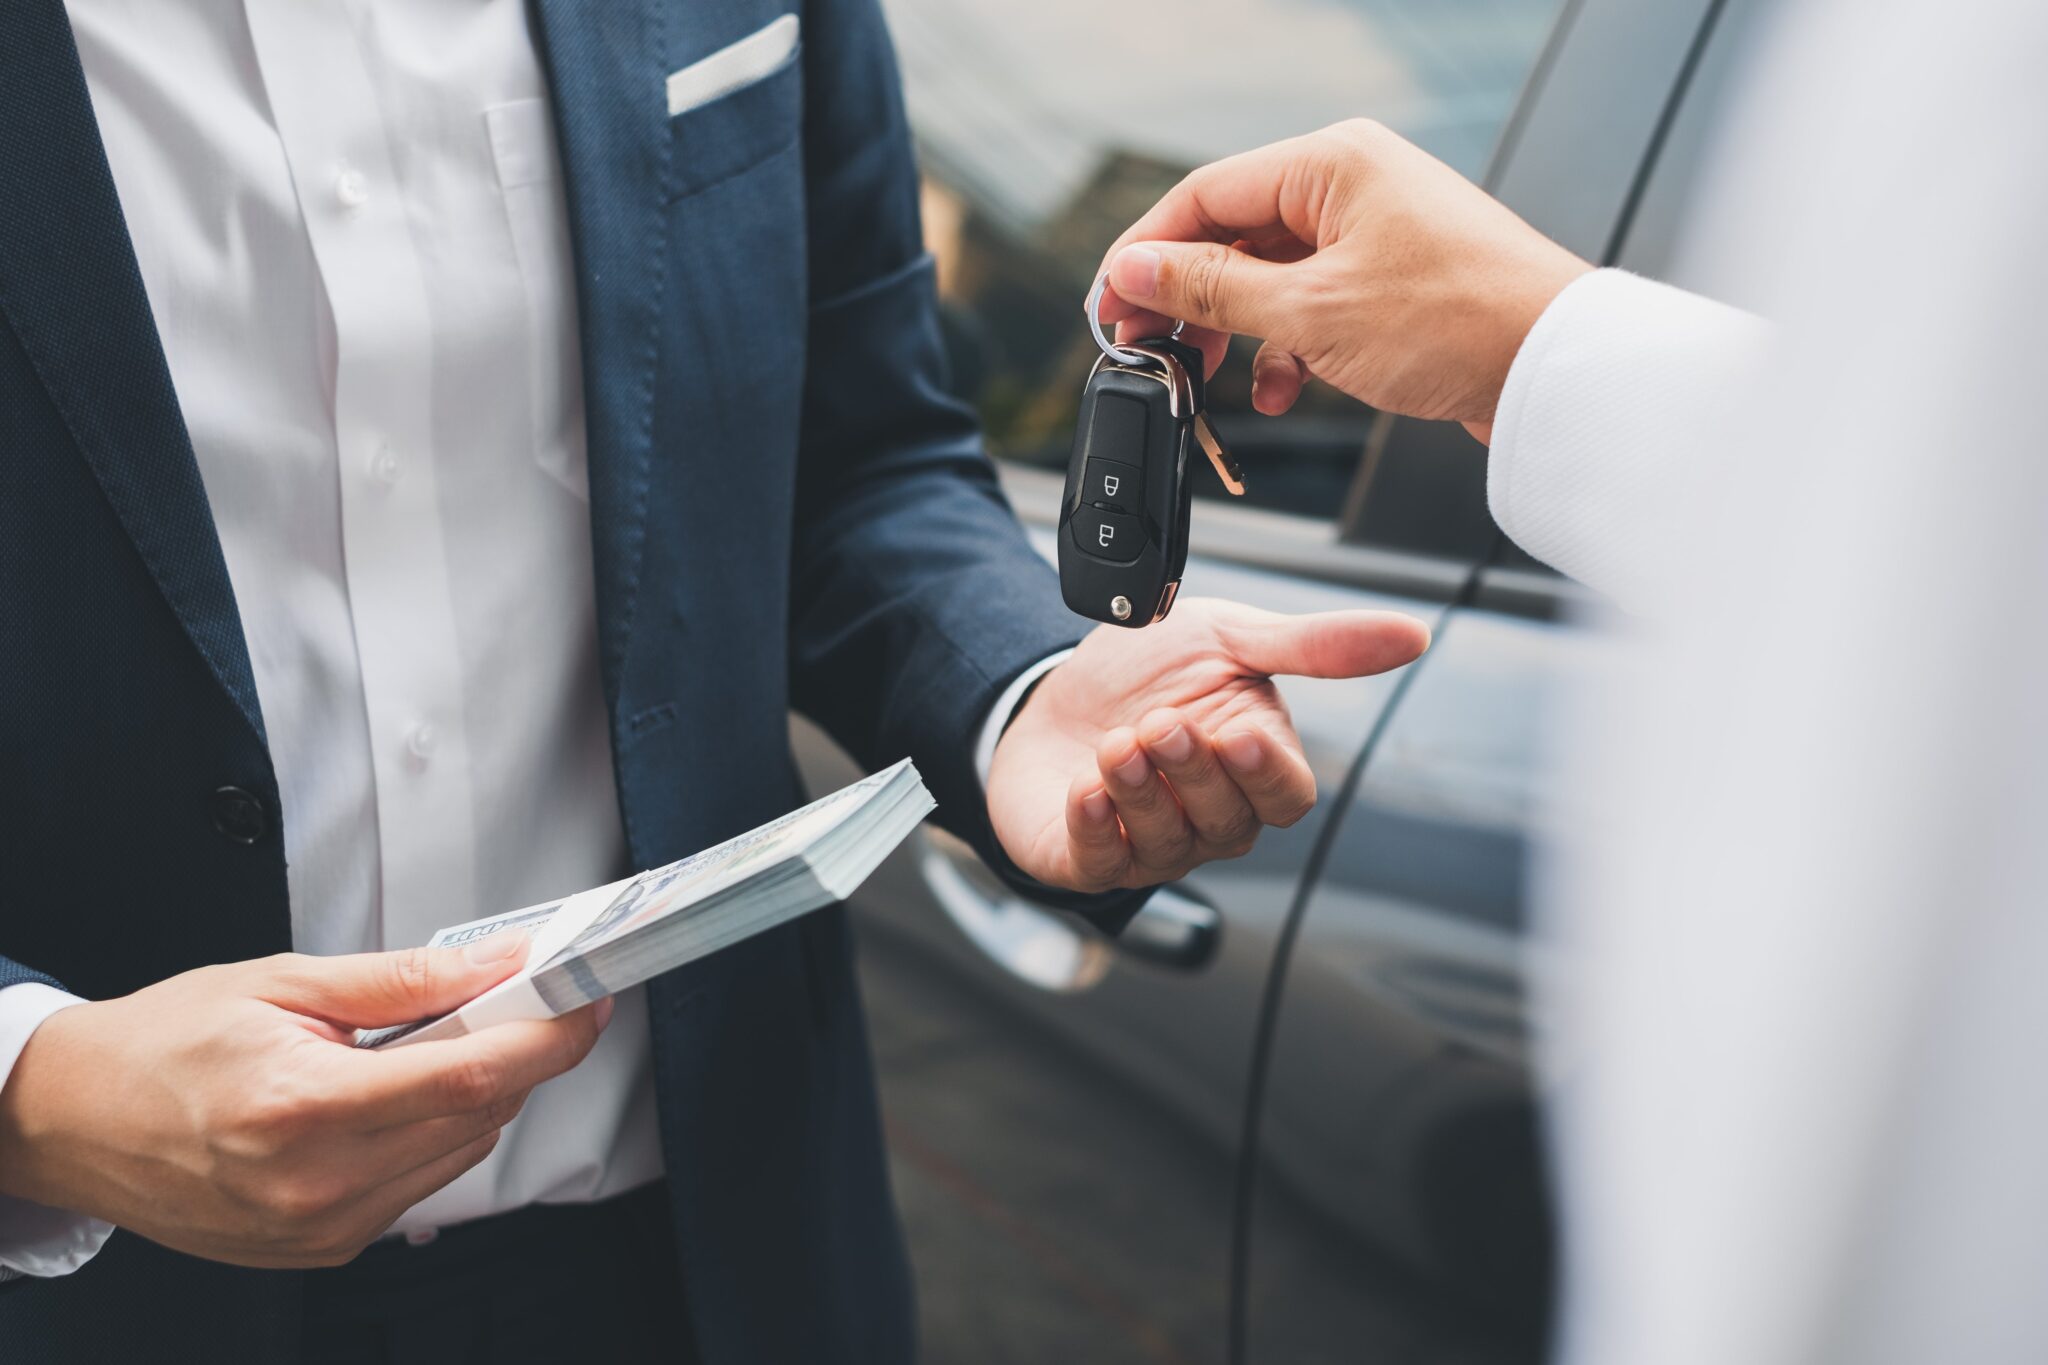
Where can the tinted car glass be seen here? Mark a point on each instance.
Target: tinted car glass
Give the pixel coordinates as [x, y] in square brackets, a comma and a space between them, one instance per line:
[1655, 241]
[1045, 129]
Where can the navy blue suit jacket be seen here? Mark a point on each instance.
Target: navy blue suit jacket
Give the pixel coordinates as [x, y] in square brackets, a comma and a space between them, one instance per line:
[788, 512]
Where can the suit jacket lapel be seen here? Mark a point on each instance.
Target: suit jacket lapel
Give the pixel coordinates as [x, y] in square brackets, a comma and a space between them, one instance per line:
[605, 66]
[70, 286]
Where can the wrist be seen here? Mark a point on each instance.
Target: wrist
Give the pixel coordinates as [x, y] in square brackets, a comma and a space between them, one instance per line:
[1008, 707]
[1544, 277]
[31, 1108]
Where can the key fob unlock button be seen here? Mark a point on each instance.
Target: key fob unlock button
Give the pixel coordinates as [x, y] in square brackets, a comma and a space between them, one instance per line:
[1107, 535]
[1108, 483]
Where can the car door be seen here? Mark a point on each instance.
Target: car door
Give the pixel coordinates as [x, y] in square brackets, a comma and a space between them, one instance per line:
[1065, 1114]
[1398, 1193]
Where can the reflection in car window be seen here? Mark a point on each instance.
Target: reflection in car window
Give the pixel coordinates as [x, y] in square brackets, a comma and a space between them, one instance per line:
[1045, 129]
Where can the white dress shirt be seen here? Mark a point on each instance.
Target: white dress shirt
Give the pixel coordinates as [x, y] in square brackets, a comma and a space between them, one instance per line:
[1800, 1101]
[351, 224]
[350, 220]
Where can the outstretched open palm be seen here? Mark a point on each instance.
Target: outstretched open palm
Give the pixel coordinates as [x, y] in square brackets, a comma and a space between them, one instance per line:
[1150, 752]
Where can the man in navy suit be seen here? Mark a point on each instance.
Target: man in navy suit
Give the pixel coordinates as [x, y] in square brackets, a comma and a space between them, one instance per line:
[439, 443]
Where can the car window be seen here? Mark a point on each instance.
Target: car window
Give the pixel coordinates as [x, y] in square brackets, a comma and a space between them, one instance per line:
[1655, 241]
[1045, 129]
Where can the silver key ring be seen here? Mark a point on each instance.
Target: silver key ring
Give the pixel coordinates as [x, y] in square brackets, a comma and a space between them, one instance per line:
[1110, 348]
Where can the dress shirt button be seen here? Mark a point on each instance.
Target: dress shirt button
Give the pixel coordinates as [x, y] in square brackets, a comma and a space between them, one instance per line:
[385, 466]
[420, 743]
[238, 815]
[352, 188]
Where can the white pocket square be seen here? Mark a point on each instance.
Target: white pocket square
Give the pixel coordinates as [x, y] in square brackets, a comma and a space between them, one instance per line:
[731, 68]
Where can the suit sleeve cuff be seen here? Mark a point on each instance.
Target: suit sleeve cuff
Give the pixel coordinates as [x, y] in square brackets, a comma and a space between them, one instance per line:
[35, 1240]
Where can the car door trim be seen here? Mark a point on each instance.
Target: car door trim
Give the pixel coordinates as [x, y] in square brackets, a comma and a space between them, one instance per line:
[1277, 542]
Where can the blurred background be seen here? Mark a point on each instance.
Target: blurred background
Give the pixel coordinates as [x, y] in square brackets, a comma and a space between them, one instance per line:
[1290, 1117]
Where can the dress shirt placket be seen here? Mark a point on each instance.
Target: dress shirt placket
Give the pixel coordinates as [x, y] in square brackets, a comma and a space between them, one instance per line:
[337, 142]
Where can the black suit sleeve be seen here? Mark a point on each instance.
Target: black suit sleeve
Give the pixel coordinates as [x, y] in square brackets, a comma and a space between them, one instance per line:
[916, 598]
[12, 973]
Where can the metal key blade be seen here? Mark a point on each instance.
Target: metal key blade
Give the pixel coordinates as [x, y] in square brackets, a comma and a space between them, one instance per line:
[1225, 462]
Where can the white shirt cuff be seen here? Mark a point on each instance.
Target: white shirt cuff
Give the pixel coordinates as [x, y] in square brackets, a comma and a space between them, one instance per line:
[1595, 466]
[1000, 715]
[35, 1240]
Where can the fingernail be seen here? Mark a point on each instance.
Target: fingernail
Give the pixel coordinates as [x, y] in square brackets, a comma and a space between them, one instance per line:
[603, 1012]
[1243, 751]
[1133, 771]
[496, 947]
[1095, 806]
[1175, 746]
[1134, 273]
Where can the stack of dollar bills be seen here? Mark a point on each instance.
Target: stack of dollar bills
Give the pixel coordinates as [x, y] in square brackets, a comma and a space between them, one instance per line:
[599, 942]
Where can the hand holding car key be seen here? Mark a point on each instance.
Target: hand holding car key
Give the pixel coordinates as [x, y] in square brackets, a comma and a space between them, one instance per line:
[1123, 528]
[1136, 759]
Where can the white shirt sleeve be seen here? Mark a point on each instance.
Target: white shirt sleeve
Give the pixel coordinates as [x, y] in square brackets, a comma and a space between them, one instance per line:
[1798, 894]
[1585, 472]
[35, 1240]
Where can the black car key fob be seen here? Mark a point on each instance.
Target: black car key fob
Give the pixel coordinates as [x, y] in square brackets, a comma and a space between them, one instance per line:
[1123, 532]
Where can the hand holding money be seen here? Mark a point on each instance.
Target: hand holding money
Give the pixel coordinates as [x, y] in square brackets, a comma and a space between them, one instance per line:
[285, 1112]
[225, 1112]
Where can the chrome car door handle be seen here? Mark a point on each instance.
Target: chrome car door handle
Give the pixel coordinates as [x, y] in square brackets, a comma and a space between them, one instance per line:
[1044, 948]
[1176, 929]
[1030, 943]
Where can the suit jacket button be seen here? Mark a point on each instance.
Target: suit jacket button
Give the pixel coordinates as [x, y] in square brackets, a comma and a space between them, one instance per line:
[238, 815]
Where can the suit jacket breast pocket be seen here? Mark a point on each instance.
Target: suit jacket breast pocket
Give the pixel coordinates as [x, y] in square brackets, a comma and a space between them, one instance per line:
[739, 126]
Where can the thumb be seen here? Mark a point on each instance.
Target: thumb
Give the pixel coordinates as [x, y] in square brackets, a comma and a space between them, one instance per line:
[1327, 644]
[1206, 285]
[372, 990]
